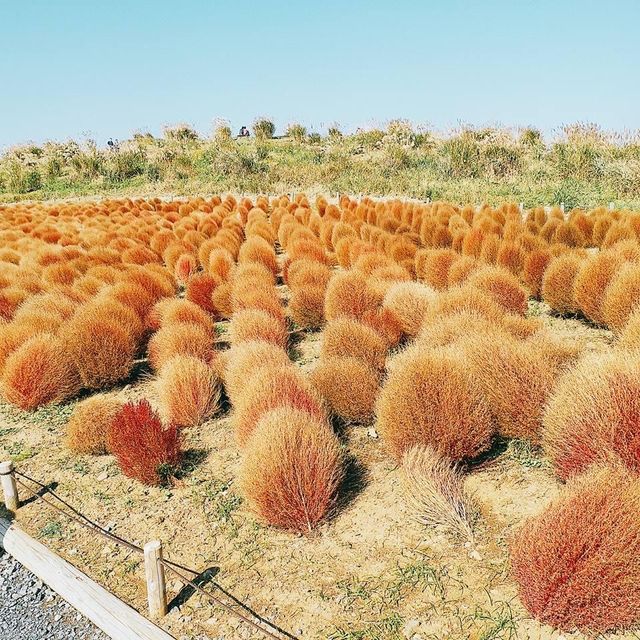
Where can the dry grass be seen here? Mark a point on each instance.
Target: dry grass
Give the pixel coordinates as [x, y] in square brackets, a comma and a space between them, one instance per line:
[434, 488]
[349, 386]
[188, 391]
[292, 469]
[430, 398]
[577, 564]
[89, 424]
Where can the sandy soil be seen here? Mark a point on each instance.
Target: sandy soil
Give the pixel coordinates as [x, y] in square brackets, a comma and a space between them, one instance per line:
[371, 572]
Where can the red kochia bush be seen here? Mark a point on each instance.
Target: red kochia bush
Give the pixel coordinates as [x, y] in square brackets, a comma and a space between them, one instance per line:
[577, 564]
[144, 449]
[291, 470]
[593, 414]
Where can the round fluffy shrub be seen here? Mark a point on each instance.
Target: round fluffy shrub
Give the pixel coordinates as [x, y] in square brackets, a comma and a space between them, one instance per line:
[558, 283]
[188, 391]
[592, 282]
[254, 324]
[246, 359]
[502, 286]
[291, 470]
[180, 339]
[577, 564]
[306, 307]
[430, 398]
[621, 297]
[409, 302]
[276, 387]
[349, 295]
[88, 426]
[349, 386]
[593, 414]
[347, 337]
[39, 372]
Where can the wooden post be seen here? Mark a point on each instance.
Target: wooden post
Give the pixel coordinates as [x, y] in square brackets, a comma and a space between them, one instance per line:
[154, 572]
[562, 207]
[611, 206]
[9, 486]
[521, 207]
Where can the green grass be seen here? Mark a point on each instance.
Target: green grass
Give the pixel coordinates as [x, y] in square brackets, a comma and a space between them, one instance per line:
[587, 169]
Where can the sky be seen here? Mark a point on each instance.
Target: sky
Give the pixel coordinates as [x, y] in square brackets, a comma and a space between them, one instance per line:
[101, 69]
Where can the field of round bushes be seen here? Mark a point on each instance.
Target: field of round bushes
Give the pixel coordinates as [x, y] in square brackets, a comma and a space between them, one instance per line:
[428, 335]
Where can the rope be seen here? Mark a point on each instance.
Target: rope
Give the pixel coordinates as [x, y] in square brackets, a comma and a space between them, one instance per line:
[82, 520]
[228, 607]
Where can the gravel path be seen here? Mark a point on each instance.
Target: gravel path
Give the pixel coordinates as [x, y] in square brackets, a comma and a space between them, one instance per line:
[29, 610]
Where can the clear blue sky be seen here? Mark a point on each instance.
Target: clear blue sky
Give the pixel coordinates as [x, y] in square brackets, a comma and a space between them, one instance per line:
[70, 67]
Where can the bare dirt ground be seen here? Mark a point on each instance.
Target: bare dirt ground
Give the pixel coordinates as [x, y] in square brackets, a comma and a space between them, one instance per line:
[372, 572]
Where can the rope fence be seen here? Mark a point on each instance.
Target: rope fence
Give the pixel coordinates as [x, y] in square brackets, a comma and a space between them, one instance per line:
[154, 562]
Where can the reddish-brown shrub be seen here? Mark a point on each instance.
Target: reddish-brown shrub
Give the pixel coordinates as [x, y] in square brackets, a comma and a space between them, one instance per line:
[515, 378]
[144, 449]
[188, 391]
[221, 299]
[534, 266]
[102, 350]
[577, 564]
[349, 295]
[306, 307]
[174, 310]
[89, 424]
[349, 386]
[253, 324]
[269, 389]
[346, 337]
[386, 324]
[246, 359]
[180, 339]
[558, 283]
[292, 469]
[502, 286]
[630, 336]
[432, 266]
[592, 281]
[257, 250]
[199, 289]
[461, 269]
[306, 273]
[593, 414]
[39, 372]
[186, 265]
[221, 264]
[621, 297]
[409, 302]
[430, 398]
[132, 296]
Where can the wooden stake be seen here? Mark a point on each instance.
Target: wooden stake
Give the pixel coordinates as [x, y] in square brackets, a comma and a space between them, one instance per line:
[154, 572]
[9, 486]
